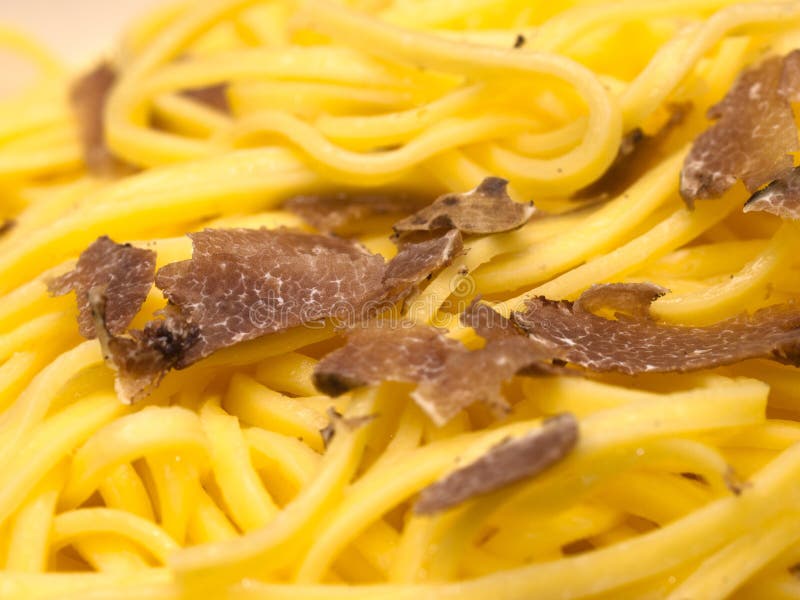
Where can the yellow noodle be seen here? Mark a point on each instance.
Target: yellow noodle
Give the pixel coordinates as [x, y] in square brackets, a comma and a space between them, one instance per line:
[220, 483]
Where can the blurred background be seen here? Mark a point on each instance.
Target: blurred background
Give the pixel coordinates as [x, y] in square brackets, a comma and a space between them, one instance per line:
[76, 29]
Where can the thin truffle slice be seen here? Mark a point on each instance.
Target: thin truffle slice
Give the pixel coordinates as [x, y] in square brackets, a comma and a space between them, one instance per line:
[510, 461]
[637, 153]
[384, 351]
[486, 209]
[7, 225]
[144, 357]
[123, 272]
[753, 136]
[780, 198]
[88, 97]
[244, 283]
[448, 376]
[640, 345]
[347, 213]
[477, 376]
[213, 96]
[418, 260]
[632, 299]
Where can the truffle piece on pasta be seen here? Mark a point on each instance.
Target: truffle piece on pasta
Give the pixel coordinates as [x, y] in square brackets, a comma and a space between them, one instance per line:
[336, 420]
[88, 98]
[486, 209]
[385, 351]
[143, 358]
[632, 299]
[488, 323]
[213, 96]
[125, 274]
[634, 344]
[508, 462]
[244, 283]
[7, 225]
[637, 152]
[753, 136]
[780, 198]
[477, 376]
[346, 213]
[417, 261]
[449, 377]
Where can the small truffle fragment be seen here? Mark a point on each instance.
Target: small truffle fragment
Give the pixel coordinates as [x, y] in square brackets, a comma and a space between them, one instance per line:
[417, 260]
[123, 272]
[448, 376]
[486, 209]
[346, 213]
[384, 351]
[640, 345]
[508, 462]
[477, 376]
[213, 96]
[753, 136]
[88, 97]
[144, 357]
[7, 225]
[244, 283]
[637, 153]
[336, 419]
[488, 323]
[780, 198]
[519, 41]
[631, 299]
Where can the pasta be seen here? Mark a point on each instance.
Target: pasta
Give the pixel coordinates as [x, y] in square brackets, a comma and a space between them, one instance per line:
[236, 476]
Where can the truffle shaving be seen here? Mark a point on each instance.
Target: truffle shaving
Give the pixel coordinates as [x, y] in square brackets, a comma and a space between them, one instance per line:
[346, 213]
[753, 136]
[637, 344]
[449, 377]
[123, 272]
[637, 153]
[243, 283]
[88, 98]
[510, 461]
[632, 299]
[486, 209]
[144, 357]
[418, 260]
[780, 198]
[213, 96]
[7, 225]
[385, 351]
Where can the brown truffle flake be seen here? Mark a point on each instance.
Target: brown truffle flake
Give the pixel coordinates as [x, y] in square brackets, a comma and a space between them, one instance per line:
[384, 351]
[780, 198]
[336, 420]
[7, 225]
[631, 299]
[637, 153]
[640, 345]
[488, 323]
[486, 209]
[753, 136]
[448, 376]
[125, 274]
[477, 376]
[347, 212]
[418, 260]
[508, 462]
[213, 96]
[244, 283]
[143, 358]
[88, 97]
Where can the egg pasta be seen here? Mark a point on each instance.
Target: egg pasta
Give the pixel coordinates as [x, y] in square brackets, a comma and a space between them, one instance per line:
[219, 484]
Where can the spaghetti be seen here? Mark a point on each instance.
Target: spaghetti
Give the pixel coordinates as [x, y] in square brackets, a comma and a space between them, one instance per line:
[230, 114]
